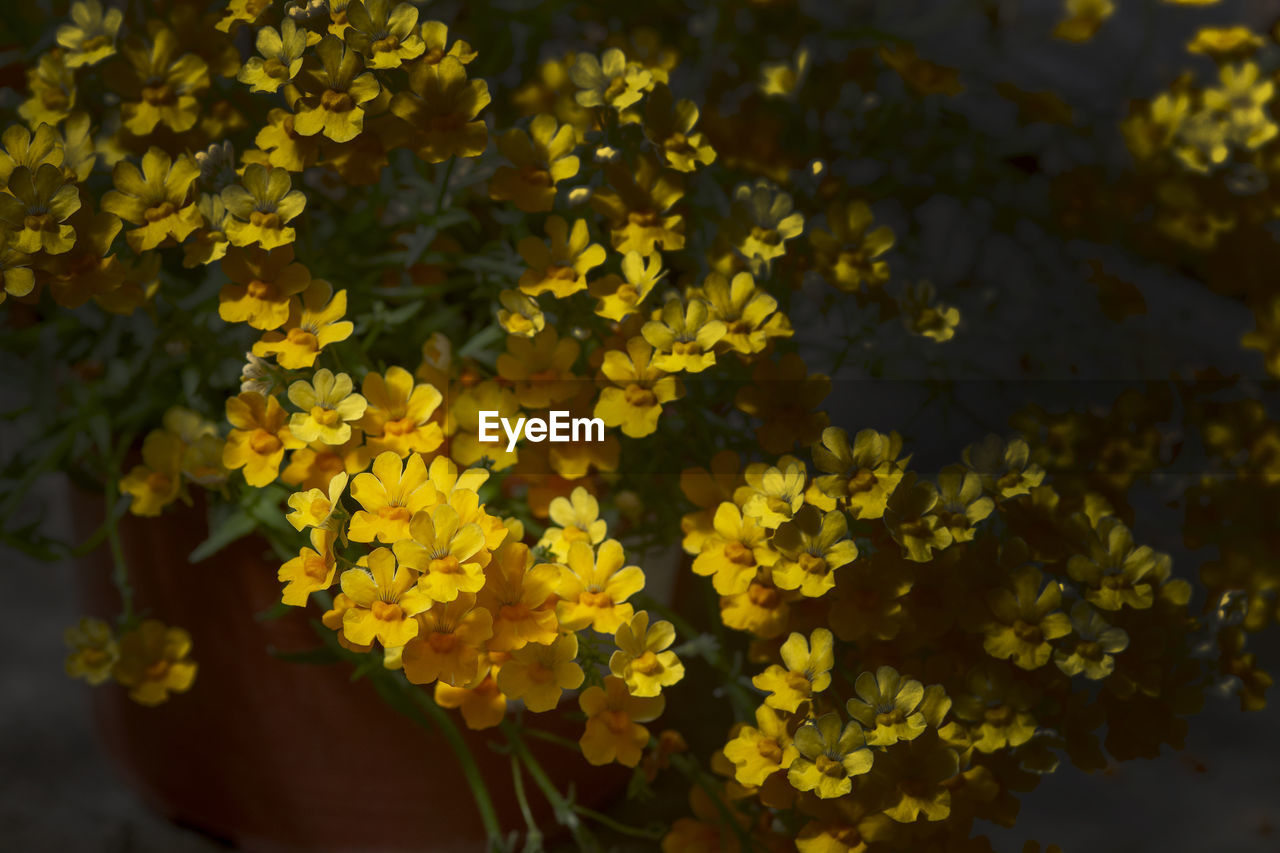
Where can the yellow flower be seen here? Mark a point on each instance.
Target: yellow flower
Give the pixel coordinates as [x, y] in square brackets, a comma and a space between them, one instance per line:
[1243, 99]
[594, 588]
[1004, 468]
[759, 751]
[328, 407]
[961, 504]
[537, 674]
[314, 322]
[451, 637]
[784, 79]
[541, 158]
[925, 317]
[1082, 19]
[806, 671]
[750, 314]
[20, 147]
[670, 126]
[913, 779]
[155, 483]
[156, 199]
[734, 551]
[311, 571]
[785, 397]
[1026, 619]
[449, 555]
[1222, 42]
[384, 600]
[386, 35]
[829, 757]
[483, 705]
[157, 86]
[813, 546]
[561, 268]
[399, 416]
[52, 84]
[281, 58]
[773, 493]
[94, 650]
[642, 658]
[609, 81]
[286, 148]
[540, 369]
[91, 35]
[762, 610]
[1095, 643]
[685, 337]
[35, 210]
[262, 207]
[314, 508]
[389, 497]
[521, 597]
[244, 12]
[463, 425]
[1117, 573]
[613, 731]
[259, 438]
[441, 110]
[849, 254]
[912, 521]
[520, 314]
[888, 706]
[762, 221]
[636, 206]
[640, 390]
[153, 662]
[1265, 338]
[621, 297]
[579, 518]
[333, 94]
[15, 276]
[313, 466]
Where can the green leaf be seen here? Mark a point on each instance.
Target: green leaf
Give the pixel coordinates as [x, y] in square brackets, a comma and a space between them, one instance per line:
[234, 527]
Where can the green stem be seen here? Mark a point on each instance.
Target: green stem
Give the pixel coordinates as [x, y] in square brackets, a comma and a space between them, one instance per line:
[570, 745]
[444, 185]
[622, 828]
[533, 837]
[111, 494]
[563, 809]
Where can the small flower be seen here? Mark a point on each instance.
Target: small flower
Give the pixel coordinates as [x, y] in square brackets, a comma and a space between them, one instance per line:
[541, 158]
[281, 58]
[387, 36]
[520, 314]
[314, 508]
[259, 438]
[537, 674]
[1005, 468]
[613, 731]
[384, 600]
[1117, 573]
[594, 588]
[784, 79]
[156, 199]
[642, 659]
[334, 93]
[560, 268]
[805, 673]
[773, 493]
[829, 757]
[311, 571]
[888, 706]
[685, 337]
[762, 221]
[759, 751]
[328, 407]
[1095, 643]
[578, 517]
[927, 318]
[750, 314]
[734, 551]
[813, 545]
[961, 504]
[1026, 619]
[670, 126]
[637, 206]
[153, 662]
[36, 208]
[449, 555]
[159, 87]
[521, 597]
[314, 322]
[609, 81]
[621, 297]
[91, 35]
[849, 254]
[389, 497]
[261, 207]
[451, 636]
[639, 390]
[441, 107]
[482, 705]
[157, 482]
[399, 414]
[1082, 18]
[540, 369]
[94, 651]
[911, 519]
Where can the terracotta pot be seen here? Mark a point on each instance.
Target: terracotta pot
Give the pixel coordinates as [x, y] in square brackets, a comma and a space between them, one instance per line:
[278, 756]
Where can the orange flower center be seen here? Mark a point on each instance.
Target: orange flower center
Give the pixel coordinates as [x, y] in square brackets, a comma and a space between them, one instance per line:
[263, 443]
[1089, 651]
[161, 211]
[562, 273]
[828, 766]
[595, 599]
[394, 513]
[302, 338]
[539, 673]
[157, 670]
[768, 236]
[387, 611]
[40, 222]
[640, 398]
[891, 718]
[433, 56]
[643, 218]
[536, 176]
[315, 568]
[269, 220]
[647, 664]
[769, 750]
[336, 102]
[686, 348]
[159, 482]
[999, 716]
[446, 565]
[263, 290]
[275, 68]
[442, 643]
[575, 534]
[323, 416]
[398, 427]
[813, 565]
[386, 45]
[863, 481]
[763, 596]
[1027, 633]
[159, 95]
[739, 554]
[617, 721]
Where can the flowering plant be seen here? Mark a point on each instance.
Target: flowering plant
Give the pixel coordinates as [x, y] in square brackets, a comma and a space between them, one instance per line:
[289, 259]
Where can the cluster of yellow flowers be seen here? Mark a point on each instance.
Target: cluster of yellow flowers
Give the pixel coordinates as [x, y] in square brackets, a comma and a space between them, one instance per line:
[150, 660]
[1032, 616]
